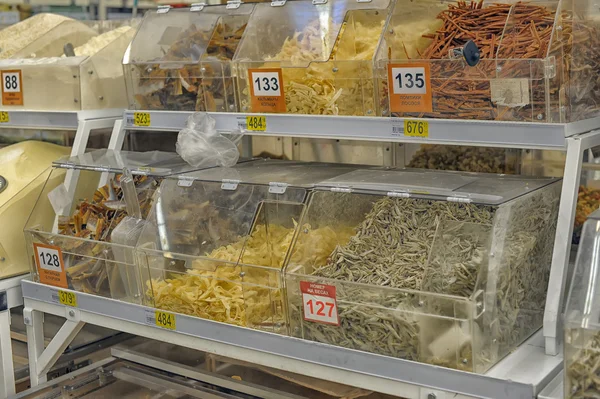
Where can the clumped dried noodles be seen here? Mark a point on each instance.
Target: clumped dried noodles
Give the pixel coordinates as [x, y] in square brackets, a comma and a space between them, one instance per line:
[240, 295]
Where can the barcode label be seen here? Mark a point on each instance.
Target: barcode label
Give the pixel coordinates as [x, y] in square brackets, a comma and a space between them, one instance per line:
[150, 317]
[397, 130]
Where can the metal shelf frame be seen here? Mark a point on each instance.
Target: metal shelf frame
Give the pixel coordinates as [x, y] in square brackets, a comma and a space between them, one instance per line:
[520, 375]
[10, 297]
[523, 374]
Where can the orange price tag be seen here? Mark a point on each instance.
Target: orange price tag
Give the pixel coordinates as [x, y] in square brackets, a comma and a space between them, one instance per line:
[12, 87]
[266, 90]
[50, 265]
[410, 87]
[319, 303]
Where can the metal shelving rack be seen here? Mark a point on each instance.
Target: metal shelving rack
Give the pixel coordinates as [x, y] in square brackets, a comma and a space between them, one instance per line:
[523, 374]
[83, 122]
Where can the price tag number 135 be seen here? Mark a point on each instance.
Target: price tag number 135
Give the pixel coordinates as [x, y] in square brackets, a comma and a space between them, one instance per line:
[409, 80]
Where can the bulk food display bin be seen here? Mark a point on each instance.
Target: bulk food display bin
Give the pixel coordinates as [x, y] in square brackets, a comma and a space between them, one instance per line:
[216, 241]
[84, 61]
[534, 61]
[438, 267]
[88, 243]
[582, 327]
[180, 60]
[24, 176]
[311, 57]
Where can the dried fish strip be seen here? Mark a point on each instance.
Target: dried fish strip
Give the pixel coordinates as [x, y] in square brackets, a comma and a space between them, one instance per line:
[461, 92]
[407, 250]
[205, 85]
[582, 377]
[89, 263]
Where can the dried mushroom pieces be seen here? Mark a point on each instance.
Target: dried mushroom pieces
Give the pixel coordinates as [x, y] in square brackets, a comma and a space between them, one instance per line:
[465, 92]
[582, 367]
[89, 265]
[237, 294]
[192, 87]
[465, 159]
[438, 247]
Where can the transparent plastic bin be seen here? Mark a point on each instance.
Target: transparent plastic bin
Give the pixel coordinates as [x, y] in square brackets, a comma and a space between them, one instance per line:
[25, 170]
[88, 219]
[180, 60]
[444, 268]
[582, 329]
[216, 240]
[305, 58]
[537, 61]
[92, 79]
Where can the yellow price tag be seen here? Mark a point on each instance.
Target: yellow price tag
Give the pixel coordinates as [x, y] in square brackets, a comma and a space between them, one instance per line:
[67, 298]
[416, 128]
[256, 123]
[165, 320]
[4, 117]
[141, 119]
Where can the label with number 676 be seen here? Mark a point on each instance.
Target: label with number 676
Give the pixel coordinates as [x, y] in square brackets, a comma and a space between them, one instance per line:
[416, 128]
[50, 265]
[319, 303]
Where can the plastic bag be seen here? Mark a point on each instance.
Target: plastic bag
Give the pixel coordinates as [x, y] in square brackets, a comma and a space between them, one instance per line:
[199, 143]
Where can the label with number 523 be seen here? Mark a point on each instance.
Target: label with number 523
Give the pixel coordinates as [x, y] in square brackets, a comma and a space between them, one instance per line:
[319, 303]
[266, 90]
[410, 87]
[50, 265]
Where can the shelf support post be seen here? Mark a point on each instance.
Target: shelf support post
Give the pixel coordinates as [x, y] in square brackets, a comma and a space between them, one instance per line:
[7, 373]
[34, 320]
[559, 272]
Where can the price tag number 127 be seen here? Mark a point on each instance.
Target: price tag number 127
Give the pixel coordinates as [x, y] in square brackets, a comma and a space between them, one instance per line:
[320, 309]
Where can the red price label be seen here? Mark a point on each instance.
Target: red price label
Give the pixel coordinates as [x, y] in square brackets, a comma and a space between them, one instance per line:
[318, 301]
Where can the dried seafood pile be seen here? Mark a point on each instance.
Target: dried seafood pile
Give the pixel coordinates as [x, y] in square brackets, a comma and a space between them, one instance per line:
[193, 87]
[421, 246]
[465, 92]
[582, 379]
[87, 262]
[220, 289]
[320, 88]
[465, 159]
[588, 201]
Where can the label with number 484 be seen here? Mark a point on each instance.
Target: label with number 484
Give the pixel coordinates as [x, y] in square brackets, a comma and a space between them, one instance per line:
[319, 303]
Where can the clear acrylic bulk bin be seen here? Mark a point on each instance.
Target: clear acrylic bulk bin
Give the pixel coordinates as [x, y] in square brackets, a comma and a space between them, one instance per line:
[216, 240]
[582, 329]
[321, 53]
[24, 168]
[437, 267]
[91, 79]
[180, 60]
[538, 60]
[94, 227]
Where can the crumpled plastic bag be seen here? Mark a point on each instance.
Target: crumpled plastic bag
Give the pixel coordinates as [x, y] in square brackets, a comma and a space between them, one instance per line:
[199, 143]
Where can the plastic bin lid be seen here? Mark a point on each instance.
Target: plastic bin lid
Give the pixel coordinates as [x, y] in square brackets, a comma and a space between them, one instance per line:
[481, 188]
[271, 26]
[155, 163]
[177, 36]
[272, 172]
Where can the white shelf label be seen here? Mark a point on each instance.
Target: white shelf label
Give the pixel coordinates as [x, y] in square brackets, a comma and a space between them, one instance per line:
[266, 84]
[409, 80]
[319, 303]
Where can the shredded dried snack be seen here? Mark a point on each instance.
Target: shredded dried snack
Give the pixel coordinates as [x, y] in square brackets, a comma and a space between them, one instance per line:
[582, 365]
[323, 87]
[463, 158]
[220, 289]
